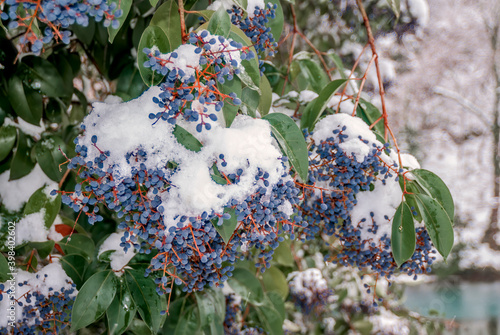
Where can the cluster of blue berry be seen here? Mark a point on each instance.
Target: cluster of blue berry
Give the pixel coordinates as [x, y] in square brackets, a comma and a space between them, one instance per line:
[192, 73]
[255, 28]
[330, 197]
[43, 314]
[309, 291]
[233, 323]
[191, 252]
[56, 14]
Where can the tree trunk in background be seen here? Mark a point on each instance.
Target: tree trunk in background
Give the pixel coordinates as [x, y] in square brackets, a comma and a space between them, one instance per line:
[489, 234]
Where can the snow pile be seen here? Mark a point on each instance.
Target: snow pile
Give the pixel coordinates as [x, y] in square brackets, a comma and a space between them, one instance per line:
[15, 193]
[228, 4]
[119, 258]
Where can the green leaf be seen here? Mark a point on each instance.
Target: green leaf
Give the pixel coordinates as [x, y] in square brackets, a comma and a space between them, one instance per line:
[403, 234]
[250, 72]
[220, 23]
[229, 109]
[43, 248]
[278, 303]
[364, 327]
[188, 322]
[148, 302]
[21, 163]
[250, 99]
[270, 319]
[369, 113]
[315, 108]
[167, 18]
[139, 327]
[49, 156]
[153, 2]
[27, 103]
[339, 64]
[228, 227]
[210, 312]
[283, 254]
[395, 6]
[291, 141]
[187, 139]
[152, 35]
[78, 244]
[125, 6]
[93, 299]
[437, 222]
[74, 265]
[43, 75]
[41, 200]
[412, 187]
[437, 189]
[8, 137]
[122, 310]
[175, 311]
[244, 283]
[266, 96]
[277, 23]
[275, 281]
[314, 74]
[130, 82]
[4, 269]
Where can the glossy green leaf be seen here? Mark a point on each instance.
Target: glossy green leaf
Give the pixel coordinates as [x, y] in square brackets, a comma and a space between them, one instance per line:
[8, 135]
[153, 2]
[167, 18]
[220, 23]
[43, 75]
[175, 310]
[266, 96]
[291, 141]
[189, 322]
[130, 82]
[139, 327]
[437, 189]
[315, 108]
[85, 34]
[369, 113]
[43, 248]
[270, 320]
[74, 265]
[277, 23]
[187, 139]
[244, 283]
[4, 269]
[314, 74]
[250, 72]
[229, 109]
[152, 35]
[210, 312]
[93, 299]
[125, 6]
[250, 101]
[122, 310]
[437, 223]
[27, 103]
[78, 244]
[49, 156]
[278, 303]
[65, 70]
[21, 164]
[283, 254]
[144, 294]
[403, 237]
[41, 200]
[228, 227]
[275, 281]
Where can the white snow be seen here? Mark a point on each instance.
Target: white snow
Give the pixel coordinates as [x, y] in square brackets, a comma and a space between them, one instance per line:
[15, 193]
[306, 96]
[119, 259]
[306, 283]
[187, 60]
[228, 4]
[26, 127]
[31, 228]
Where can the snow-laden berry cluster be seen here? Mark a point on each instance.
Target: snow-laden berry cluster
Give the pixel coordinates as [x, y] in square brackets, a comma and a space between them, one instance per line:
[353, 193]
[309, 290]
[43, 302]
[192, 73]
[233, 320]
[173, 200]
[57, 14]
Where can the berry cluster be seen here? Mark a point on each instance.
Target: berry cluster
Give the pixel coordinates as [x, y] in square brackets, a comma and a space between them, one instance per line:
[190, 251]
[56, 14]
[41, 306]
[192, 75]
[254, 26]
[349, 176]
[233, 324]
[309, 290]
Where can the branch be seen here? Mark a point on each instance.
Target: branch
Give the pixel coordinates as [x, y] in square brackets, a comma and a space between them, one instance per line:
[467, 104]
